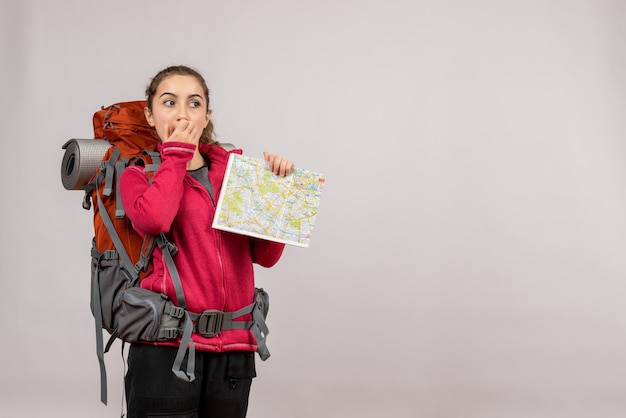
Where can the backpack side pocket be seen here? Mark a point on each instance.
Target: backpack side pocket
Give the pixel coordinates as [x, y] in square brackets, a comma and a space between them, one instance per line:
[107, 283]
[140, 315]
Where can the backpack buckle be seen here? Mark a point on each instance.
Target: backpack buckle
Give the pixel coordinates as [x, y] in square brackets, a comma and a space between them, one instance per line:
[210, 323]
[168, 333]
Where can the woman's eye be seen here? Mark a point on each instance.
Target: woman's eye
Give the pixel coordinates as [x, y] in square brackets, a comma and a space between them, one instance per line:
[194, 103]
[168, 102]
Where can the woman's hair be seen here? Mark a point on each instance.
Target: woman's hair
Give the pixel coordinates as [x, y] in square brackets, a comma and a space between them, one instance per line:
[207, 135]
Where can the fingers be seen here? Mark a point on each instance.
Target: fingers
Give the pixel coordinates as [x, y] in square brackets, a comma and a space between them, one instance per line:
[278, 165]
[185, 131]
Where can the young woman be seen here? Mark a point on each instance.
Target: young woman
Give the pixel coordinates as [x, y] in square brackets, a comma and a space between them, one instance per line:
[215, 267]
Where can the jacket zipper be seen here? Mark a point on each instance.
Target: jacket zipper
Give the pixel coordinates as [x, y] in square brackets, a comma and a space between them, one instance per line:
[218, 245]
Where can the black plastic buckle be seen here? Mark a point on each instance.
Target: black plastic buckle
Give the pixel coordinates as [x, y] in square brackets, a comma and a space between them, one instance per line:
[210, 323]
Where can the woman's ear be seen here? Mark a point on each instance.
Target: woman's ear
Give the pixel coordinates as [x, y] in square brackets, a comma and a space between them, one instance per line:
[148, 113]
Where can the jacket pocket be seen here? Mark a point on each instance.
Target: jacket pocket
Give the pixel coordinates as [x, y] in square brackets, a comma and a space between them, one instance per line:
[241, 365]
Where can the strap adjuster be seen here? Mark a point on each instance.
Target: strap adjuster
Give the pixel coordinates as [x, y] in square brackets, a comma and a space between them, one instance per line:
[168, 333]
[210, 323]
[173, 310]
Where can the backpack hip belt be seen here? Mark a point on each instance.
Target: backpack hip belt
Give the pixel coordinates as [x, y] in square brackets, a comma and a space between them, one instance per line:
[212, 322]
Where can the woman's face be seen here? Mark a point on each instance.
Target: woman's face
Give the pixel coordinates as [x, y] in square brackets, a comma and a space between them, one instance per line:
[177, 98]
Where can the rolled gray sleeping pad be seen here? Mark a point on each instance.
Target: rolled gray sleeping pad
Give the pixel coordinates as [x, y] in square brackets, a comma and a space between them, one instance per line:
[83, 157]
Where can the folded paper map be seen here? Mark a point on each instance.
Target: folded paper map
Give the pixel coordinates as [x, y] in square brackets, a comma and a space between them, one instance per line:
[256, 202]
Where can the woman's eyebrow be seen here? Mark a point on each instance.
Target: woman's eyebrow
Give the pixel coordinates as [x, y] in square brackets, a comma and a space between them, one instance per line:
[190, 96]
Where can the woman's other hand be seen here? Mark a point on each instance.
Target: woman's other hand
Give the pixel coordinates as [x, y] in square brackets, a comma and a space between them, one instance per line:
[278, 165]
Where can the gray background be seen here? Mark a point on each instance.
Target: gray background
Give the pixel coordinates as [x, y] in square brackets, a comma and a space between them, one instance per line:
[468, 258]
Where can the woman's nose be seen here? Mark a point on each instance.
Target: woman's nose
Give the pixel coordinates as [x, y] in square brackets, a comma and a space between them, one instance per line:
[182, 114]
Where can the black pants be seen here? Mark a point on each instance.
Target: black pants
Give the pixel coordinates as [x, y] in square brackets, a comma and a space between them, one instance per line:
[220, 390]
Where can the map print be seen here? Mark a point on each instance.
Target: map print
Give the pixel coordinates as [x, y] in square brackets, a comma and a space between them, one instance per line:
[256, 202]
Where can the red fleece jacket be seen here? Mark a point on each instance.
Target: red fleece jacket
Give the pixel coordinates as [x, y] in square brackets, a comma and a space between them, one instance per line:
[215, 267]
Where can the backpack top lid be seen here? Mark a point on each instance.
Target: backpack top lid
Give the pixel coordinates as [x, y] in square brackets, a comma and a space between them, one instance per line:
[124, 125]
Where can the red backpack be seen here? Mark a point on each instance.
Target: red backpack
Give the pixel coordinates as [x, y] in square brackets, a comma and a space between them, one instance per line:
[120, 257]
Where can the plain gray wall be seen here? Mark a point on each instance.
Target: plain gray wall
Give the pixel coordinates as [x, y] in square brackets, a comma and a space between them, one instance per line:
[468, 258]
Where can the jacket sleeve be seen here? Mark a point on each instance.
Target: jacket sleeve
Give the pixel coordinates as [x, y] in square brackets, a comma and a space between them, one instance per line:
[265, 253]
[152, 206]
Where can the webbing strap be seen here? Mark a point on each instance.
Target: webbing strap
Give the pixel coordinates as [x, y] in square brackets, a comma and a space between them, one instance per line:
[227, 317]
[167, 249]
[108, 167]
[112, 339]
[224, 321]
[97, 308]
[89, 188]
[259, 330]
[132, 274]
[171, 330]
[119, 207]
[173, 310]
[186, 346]
[107, 114]
[147, 246]
[156, 160]
[258, 327]
[186, 343]
[87, 196]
